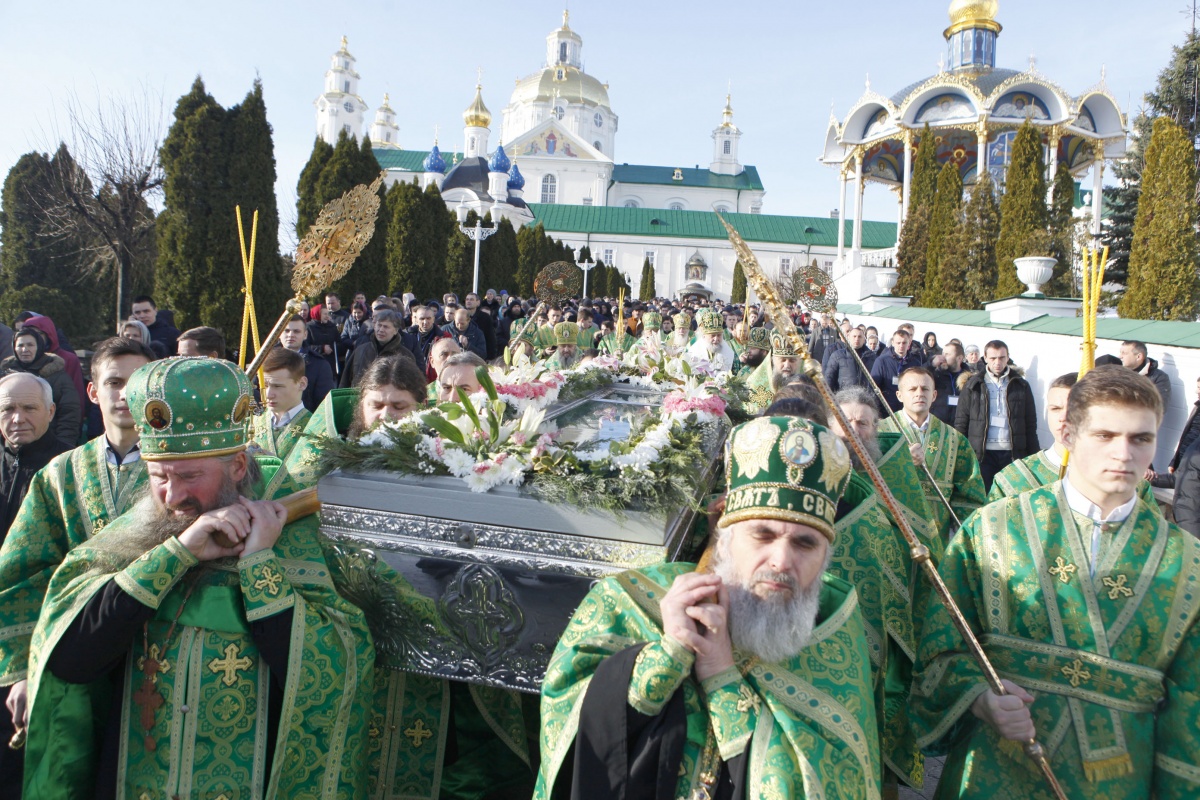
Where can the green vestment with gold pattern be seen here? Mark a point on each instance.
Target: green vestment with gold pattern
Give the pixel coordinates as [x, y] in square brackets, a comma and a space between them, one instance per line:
[1109, 650]
[808, 726]
[952, 462]
[207, 732]
[871, 554]
[274, 441]
[75, 496]
[1038, 470]
[611, 343]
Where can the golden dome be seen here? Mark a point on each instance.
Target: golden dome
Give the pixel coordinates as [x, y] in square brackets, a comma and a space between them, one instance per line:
[477, 115]
[973, 14]
[561, 81]
[727, 114]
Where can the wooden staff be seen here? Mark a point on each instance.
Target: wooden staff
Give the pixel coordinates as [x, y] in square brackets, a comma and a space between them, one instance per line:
[920, 553]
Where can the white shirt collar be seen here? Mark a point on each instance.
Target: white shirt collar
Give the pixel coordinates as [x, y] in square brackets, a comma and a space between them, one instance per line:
[287, 418]
[1081, 505]
[110, 455]
[924, 427]
[1051, 455]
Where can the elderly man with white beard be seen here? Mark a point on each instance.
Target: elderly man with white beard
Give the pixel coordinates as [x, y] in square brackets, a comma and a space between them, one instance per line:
[748, 678]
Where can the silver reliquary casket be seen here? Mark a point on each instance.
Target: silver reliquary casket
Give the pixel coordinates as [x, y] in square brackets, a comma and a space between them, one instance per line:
[491, 579]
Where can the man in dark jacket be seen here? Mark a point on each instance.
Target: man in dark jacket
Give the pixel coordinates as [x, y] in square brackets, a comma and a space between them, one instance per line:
[997, 413]
[316, 368]
[1191, 432]
[485, 320]
[889, 364]
[386, 340]
[947, 370]
[145, 311]
[420, 338]
[823, 337]
[1187, 490]
[1135, 356]
[468, 335]
[841, 371]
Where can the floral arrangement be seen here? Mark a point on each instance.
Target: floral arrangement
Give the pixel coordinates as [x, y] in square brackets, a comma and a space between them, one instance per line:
[499, 436]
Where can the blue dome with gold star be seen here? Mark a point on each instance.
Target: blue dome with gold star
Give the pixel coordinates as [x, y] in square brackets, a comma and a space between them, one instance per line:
[499, 162]
[434, 161]
[516, 181]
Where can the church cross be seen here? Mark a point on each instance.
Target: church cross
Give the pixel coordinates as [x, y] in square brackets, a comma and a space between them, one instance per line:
[152, 664]
[231, 665]
[269, 581]
[479, 76]
[1062, 570]
[1117, 588]
[1076, 672]
[418, 733]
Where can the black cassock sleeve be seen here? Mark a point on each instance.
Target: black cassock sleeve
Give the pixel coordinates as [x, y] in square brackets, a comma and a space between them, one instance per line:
[105, 629]
[621, 753]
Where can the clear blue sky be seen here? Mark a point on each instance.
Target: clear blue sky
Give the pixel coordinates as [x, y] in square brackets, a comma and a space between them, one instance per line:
[667, 63]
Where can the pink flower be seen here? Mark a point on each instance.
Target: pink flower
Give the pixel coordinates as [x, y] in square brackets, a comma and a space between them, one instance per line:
[481, 467]
[520, 438]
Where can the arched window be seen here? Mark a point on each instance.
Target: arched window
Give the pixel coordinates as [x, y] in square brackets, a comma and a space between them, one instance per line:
[726, 147]
[549, 189]
[631, 204]
[562, 51]
[677, 206]
[596, 144]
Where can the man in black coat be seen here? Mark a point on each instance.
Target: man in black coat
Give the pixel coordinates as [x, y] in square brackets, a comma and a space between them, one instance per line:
[387, 339]
[145, 311]
[997, 413]
[1187, 490]
[890, 363]
[316, 368]
[1136, 357]
[26, 411]
[841, 370]
[948, 368]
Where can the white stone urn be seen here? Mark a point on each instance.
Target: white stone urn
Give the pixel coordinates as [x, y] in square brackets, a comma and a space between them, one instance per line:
[1035, 271]
[886, 279]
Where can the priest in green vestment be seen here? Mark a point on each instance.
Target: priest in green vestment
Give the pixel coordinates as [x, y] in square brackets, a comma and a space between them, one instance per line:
[783, 363]
[755, 351]
[564, 339]
[749, 680]
[276, 431]
[945, 452]
[1043, 467]
[1085, 600]
[196, 647]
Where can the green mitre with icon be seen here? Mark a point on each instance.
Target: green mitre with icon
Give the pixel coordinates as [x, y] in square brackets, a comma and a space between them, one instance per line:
[566, 333]
[759, 338]
[785, 468]
[781, 345]
[709, 321]
[652, 321]
[190, 408]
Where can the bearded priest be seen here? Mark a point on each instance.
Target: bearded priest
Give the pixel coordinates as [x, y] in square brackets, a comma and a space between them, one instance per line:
[750, 679]
[195, 647]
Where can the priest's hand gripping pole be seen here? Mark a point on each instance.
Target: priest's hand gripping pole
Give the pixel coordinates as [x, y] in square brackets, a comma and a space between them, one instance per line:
[327, 252]
[820, 296]
[920, 553]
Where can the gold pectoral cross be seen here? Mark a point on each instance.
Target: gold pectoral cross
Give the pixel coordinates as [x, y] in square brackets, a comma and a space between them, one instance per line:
[231, 664]
[1062, 570]
[1117, 588]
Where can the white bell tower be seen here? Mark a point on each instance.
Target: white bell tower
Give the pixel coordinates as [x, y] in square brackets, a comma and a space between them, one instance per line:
[384, 130]
[725, 144]
[340, 108]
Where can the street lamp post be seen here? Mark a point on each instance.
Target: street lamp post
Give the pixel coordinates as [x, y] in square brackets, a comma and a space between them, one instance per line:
[587, 266]
[476, 234]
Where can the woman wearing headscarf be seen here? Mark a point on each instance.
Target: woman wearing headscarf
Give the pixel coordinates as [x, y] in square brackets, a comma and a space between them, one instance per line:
[30, 355]
[323, 336]
[138, 332]
[53, 345]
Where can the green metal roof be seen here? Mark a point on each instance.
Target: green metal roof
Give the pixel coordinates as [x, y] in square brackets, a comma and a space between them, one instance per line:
[767, 228]
[665, 176]
[409, 160]
[1177, 334]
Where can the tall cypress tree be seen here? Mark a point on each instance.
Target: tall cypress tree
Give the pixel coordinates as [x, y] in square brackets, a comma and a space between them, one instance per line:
[971, 248]
[498, 258]
[370, 269]
[1062, 233]
[195, 161]
[598, 281]
[416, 242]
[914, 237]
[460, 255]
[1162, 267]
[1023, 214]
[308, 202]
[530, 249]
[738, 295]
[939, 272]
[646, 286]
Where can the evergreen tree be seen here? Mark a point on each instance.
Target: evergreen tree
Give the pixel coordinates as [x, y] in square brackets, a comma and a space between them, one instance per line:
[1162, 266]
[498, 258]
[646, 286]
[308, 203]
[418, 235]
[971, 248]
[598, 281]
[947, 206]
[531, 241]
[738, 295]
[1023, 214]
[1176, 94]
[195, 159]
[460, 255]
[252, 186]
[370, 269]
[914, 237]
[1062, 233]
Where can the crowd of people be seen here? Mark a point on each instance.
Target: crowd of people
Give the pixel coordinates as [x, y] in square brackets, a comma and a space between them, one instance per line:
[167, 630]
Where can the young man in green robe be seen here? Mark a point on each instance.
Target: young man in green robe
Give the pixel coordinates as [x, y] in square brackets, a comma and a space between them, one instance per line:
[196, 647]
[944, 451]
[276, 431]
[76, 495]
[1043, 467]
[748, 680]
[1085, 601]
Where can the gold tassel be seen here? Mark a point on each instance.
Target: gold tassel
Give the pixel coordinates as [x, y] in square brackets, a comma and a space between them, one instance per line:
[1107, 769]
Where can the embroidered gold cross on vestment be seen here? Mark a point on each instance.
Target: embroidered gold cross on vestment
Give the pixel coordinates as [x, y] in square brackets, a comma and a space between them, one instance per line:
[418, 733]
[269, 581]
[1076, 672]
[1117, 588]
[1062, 570]
[231, 664]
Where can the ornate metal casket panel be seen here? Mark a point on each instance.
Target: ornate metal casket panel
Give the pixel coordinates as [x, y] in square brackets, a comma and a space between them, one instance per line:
[498, 575]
